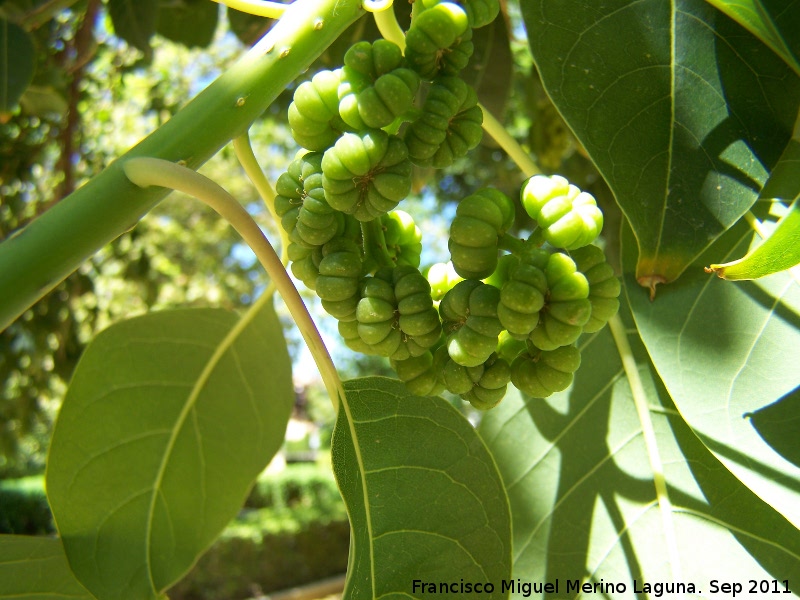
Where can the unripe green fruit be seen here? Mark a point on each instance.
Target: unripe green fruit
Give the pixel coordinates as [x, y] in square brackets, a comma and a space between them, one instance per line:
[482, 385]
[452, 62]
[349, 332]
[305, 263]
[543, 373]
[469, 315]
[376, 314]
[604, 287]
[509, 347]
[420, 374]
[567, 306]
[442, 277]
[479, 12]
[301, 204]
[366, 174]
[314, 114]
[376, 311]
[459, 379]
[342, 310]
[568, 217]
[449, 126]
[418, 320]
[491, 387]
[376, 89]
[432, 31]
[521, 298]
[402, 237]
[289, 196]
[481, 220]
[338, 276]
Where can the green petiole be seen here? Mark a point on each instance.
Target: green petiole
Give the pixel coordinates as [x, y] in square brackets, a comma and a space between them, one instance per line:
[146, 172]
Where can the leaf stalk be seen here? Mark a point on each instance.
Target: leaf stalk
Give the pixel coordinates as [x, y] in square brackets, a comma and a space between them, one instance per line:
[145, 172]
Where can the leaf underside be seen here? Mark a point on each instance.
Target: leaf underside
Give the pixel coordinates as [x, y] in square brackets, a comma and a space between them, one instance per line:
[424, 497]
[167, 422]
[583, 500]
[35, 568]
[726, 352]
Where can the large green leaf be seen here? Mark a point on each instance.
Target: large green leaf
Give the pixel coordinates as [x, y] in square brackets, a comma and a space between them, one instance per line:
[167, 422]
[682, 110]
[17, 57]
[582, 482]
[775, 22]
[424, 496]
[725, 352]
[35, 568]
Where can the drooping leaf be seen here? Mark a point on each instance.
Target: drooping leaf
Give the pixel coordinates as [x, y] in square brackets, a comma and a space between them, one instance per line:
[424, 497]
[581, 483]
[135, 22]
[167, 422]
[774, 22]
[35, 568]
[682, 110]
[725, 352]
[781, 250]
[17, 63]
[189, 22]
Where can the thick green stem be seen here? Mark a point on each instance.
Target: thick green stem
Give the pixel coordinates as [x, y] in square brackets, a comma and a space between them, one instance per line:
[146, 172]
[37, 258]
[512, 244]
[390, 29]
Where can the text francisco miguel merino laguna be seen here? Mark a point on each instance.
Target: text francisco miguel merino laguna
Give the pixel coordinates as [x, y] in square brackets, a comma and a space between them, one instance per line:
[527, 588]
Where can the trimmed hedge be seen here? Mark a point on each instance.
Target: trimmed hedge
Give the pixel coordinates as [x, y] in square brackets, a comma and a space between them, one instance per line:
[293, 530]
[23, 507]
[300, 484]
[246, 563]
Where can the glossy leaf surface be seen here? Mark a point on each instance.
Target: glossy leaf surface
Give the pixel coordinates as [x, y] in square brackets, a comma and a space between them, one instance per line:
[682, 110]
[774, 22]
[424, 497]
[168, 420]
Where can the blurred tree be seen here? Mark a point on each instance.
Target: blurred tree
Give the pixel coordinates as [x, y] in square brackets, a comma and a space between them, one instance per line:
[101, 80]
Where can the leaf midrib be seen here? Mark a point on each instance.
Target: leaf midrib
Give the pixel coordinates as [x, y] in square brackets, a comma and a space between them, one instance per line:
[222, 348]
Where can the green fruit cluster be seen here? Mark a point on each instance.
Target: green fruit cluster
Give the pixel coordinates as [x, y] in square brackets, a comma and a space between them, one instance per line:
[503, 310]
